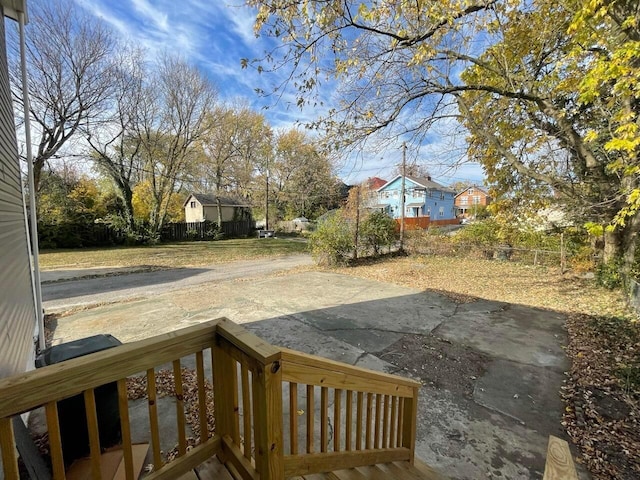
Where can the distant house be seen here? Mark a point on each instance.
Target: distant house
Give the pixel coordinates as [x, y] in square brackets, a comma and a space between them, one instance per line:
[374, 183]
[369, 192]
[424, 199]
[470, 199]
[200, 207]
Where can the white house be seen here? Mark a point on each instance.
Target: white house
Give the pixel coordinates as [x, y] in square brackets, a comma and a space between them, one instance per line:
[18, 319]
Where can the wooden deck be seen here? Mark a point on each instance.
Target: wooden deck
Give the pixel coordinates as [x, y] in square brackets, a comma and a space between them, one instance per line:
[382, 471]
[214, 470]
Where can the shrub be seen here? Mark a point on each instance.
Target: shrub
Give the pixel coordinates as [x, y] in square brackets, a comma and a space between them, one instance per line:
[609, 275]
[378, 230]
[332, 241]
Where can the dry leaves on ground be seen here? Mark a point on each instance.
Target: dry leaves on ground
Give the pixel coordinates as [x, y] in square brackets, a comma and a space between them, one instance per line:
[165, 387]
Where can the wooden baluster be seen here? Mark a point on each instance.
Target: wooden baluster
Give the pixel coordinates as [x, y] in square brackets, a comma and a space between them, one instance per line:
[337, 400]
[202, 399]
[385, 422]
[376, 441]
[9, 458]
[180, 420]
[368, 442]
[125, 428]
[310, 414]
[324, 418]
[153, 419]
[393, 422]
[349, 421]
[55, 442]
[359, 407]
[400, 420]
[94, 434]
[246, 410]
[293, 417]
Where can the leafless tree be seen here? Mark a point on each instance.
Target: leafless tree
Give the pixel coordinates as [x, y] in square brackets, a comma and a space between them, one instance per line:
[171, 121]
[68, 56]
[112, 145]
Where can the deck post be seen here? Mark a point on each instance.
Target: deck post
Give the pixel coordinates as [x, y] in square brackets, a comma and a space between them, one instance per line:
[409, 423]
[225, 393]
[267, 395]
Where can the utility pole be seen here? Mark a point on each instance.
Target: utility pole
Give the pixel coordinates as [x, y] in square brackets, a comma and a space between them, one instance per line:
[404, 171]
[355, 239]
[266, 199]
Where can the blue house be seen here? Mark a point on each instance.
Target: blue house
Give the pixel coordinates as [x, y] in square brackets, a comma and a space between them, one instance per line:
[423, 198]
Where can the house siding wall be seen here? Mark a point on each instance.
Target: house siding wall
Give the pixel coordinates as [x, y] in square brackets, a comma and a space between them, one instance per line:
[191, 214]
[438, 204]
[17, 308]
[211, 213]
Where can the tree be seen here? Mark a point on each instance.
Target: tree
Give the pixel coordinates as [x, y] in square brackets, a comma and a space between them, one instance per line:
[170, 123]
[301, 176]
[68, 56]
[236, 142]
[551, 107]
[67, 197]
[114, 148]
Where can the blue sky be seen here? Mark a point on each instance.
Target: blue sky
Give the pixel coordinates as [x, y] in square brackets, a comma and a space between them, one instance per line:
[216, 35]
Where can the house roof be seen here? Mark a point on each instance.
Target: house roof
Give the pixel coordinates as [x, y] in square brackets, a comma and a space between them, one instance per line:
[209, 200]
[475, 187]
[425, 182]
[374, 183]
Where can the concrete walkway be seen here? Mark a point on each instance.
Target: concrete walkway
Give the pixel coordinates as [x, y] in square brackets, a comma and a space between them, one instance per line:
[500, 431]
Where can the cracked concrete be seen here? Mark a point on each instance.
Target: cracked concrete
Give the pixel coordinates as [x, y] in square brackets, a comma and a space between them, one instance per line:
[501, 432]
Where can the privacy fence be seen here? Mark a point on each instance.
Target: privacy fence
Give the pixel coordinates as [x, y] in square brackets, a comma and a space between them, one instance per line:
[78, 235]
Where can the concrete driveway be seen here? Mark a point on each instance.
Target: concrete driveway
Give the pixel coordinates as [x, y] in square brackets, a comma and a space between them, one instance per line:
[500, 430]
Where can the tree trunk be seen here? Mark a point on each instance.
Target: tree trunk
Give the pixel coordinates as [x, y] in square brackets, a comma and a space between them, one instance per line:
[629, 239]
[219, 208]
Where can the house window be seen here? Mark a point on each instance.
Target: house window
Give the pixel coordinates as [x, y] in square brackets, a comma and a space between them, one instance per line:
[476, 199]
[470, 192]
[193, 204]
[395, 194]
[429, 212]
[464, 200]
[441, 212]
[441, 195]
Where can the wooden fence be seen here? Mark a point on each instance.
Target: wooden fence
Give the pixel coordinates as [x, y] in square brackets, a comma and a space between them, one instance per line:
[205, 230]
[422, 223]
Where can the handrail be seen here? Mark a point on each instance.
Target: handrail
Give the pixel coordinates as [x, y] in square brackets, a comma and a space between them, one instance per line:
[306, 359]
[24, 392]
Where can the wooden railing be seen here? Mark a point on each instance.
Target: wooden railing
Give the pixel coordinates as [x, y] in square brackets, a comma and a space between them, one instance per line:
[45, 387]
[373, 418]
[257, 389]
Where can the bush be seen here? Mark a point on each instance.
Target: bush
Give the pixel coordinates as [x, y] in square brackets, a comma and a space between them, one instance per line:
[332, 242]
[609, 275]
[378, 230]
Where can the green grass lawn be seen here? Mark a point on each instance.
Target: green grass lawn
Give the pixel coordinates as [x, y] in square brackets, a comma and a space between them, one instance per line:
[171, 255]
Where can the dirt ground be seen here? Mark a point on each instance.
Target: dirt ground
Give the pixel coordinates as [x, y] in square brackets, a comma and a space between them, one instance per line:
[438, 362]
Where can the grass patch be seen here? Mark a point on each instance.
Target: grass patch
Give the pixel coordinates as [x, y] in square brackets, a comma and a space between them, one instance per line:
[184, 254]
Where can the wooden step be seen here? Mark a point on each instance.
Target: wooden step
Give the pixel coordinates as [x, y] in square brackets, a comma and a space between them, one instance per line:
[382, 471]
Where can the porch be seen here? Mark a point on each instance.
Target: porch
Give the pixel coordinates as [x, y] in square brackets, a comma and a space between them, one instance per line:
[278, 413]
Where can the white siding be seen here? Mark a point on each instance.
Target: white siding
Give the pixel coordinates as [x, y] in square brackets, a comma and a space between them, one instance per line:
[17, 316]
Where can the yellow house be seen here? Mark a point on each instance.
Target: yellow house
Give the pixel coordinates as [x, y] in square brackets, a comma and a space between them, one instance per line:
[200, 207]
